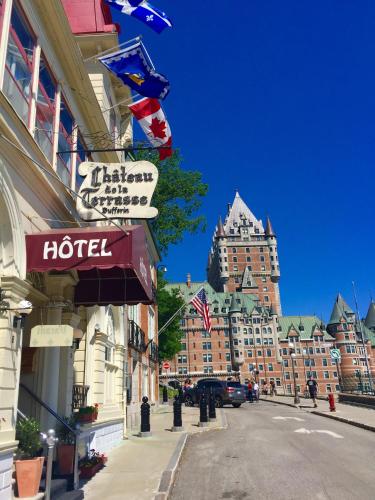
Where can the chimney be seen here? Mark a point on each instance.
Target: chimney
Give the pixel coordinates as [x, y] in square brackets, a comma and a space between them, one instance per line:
[188, 280]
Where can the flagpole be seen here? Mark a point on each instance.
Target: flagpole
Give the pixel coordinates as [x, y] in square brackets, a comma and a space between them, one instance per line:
[136, 39]
[175, 314]
[125, 101]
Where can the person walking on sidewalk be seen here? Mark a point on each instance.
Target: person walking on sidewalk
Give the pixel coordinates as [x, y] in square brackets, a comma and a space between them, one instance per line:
[272, 388]
[250, 392]
[313, 389]
[256, 391]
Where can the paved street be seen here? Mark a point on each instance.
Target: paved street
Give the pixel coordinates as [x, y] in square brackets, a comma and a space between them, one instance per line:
[272, 451]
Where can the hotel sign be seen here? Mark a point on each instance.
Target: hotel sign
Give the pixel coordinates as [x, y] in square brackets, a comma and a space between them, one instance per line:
[52, 336]
[117, 190]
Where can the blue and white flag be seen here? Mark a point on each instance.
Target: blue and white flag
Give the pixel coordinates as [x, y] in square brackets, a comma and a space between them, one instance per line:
[133, 68]
[142, 10]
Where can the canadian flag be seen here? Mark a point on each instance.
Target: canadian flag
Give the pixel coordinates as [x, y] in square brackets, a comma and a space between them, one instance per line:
[151, 118]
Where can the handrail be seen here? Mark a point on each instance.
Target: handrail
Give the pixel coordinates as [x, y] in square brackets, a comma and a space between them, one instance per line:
[48, 408]
[75, 432]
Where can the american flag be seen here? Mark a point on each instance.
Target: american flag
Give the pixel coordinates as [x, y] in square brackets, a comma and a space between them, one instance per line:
[199, 302]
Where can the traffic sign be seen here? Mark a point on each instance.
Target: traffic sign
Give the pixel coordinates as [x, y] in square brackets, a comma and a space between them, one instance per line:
[166, 365]
[335, 354]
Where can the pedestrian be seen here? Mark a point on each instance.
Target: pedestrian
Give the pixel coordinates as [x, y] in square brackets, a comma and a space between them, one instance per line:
[256, 391]
[250, 392]
[272, 388]
[264, 388]
[313, 389]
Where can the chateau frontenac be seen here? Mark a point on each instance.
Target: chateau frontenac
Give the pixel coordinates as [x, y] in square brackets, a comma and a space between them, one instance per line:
[250, 338]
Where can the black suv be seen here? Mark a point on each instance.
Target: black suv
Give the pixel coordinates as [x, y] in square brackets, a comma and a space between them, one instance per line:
[226, 392]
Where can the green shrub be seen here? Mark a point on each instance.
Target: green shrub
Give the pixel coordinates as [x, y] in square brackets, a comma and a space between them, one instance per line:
[64, 434]
[28, 436]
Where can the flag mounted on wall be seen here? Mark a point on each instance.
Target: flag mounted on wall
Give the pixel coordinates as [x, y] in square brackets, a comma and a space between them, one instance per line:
[134, 68]
[142, 10]
[154, 124]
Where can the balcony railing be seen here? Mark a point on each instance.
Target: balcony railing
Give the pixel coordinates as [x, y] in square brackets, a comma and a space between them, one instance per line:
[137, 337]
[80, 396]
[153, 351]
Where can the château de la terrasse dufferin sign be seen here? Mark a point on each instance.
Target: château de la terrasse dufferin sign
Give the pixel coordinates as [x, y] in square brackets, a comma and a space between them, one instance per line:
[117, 190]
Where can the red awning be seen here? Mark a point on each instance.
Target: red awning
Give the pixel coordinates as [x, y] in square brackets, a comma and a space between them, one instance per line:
[113, 267]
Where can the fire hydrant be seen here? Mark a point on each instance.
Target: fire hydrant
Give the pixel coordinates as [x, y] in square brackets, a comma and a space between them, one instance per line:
[331, 400]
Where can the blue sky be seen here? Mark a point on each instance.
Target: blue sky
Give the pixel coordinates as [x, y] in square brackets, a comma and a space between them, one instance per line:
[277, 99]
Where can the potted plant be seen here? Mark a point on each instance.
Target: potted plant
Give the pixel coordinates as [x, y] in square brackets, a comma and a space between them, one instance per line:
[91, 464]
[65, 447]
[87, 414]
[29, 466]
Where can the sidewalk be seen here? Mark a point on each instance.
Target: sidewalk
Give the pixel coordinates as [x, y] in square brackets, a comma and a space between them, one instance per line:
[353, 415]
[138, 466]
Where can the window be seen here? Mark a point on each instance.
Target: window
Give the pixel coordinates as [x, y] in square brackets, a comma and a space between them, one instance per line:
[227, 356]
[324, 362]
[264, 279]
[235, 259]
[266, 298]
[260, 367]
[65, 142]
[236, 354]
[206, 335]
[350, 349]
[207, 358]
[270, 367]
[287, 375]
[182, 358]
[247, 250]
[265, 288]
[285, 362]
[262, 268]
[45, 109]
[183, 346]
[248, 259]
[325, 374]
[19, 65]
[226, 345]
[268, 353]
[249, 354]
[259, 353]
[262, 258]
[229, 368]
[206, 346]
[208, 369]
[261, 249]
[235, 268]
[182, 371]
[328, 388]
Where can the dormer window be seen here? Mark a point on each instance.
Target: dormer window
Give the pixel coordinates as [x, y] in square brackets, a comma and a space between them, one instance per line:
[301, 328]
[231, 231]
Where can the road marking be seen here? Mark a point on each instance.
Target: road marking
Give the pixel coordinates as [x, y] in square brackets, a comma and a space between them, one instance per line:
[320, 431]
[289, 418]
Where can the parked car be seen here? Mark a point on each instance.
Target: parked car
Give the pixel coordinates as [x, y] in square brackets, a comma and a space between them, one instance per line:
[225, 392]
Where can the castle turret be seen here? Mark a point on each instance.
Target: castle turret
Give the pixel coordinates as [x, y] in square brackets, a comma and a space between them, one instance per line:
[222, 249]
[370, 318]
[236, 331]
[272, 243]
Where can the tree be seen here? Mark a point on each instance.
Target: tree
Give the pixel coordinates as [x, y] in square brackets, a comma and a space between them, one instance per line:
[169, 302]
[178, 195]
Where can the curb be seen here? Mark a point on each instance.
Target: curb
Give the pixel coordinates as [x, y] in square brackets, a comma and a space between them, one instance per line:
[345, 420]
[167, 476]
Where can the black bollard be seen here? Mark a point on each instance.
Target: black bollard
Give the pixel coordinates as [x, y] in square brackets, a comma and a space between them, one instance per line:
[211, 407]
[165, 395]
[181, 394]
[177, 415]
[145, 418]
[203, 417]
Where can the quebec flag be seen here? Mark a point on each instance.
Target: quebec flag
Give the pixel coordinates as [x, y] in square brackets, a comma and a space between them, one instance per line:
[142, 10]
[132, 67]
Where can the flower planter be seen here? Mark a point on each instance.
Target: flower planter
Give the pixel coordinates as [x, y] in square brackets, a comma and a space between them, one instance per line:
[29, 474]
[89, 472]
[86, 417]
[65, 456]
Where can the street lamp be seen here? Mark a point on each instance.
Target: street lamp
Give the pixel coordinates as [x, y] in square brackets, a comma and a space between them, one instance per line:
[162, 268]
[293, 356]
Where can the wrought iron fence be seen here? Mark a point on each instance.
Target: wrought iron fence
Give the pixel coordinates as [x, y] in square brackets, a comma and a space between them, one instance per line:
[137, 337]
[153, 351]
[357, 384]
[80, 396]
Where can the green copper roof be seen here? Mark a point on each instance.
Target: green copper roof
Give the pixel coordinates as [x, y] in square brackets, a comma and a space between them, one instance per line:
[303, 325]
[218, 300]
[370, 318]
[340, 310]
